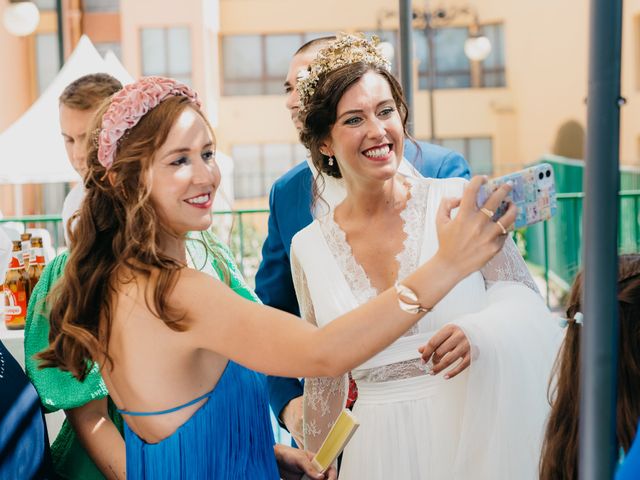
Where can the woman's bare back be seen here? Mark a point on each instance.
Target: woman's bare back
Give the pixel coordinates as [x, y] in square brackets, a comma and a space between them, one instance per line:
[154, 368]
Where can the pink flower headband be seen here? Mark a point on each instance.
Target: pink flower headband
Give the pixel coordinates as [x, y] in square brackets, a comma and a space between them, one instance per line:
[129, 105]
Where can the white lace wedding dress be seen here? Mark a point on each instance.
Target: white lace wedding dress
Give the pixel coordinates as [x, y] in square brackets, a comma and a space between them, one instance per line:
[486, 423]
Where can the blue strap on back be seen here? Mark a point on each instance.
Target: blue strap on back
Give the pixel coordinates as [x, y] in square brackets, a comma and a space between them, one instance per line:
[163, 412]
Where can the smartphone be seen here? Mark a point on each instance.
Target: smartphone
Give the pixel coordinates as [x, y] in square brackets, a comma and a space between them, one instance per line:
[533, 190]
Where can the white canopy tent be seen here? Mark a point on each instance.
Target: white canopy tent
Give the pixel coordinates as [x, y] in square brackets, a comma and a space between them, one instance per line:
[32, 149]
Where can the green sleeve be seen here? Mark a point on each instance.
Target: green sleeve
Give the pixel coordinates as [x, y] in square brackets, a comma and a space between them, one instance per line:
[236, 280]
[57, 389]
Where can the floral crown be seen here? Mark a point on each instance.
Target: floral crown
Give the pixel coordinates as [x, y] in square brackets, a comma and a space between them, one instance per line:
[129, 105]
[345, 50]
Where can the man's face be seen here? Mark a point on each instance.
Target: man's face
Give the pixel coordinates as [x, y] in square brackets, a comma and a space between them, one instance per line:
[299, 63]
[74, 124]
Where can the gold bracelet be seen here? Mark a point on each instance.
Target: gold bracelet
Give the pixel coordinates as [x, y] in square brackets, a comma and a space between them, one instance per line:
[411, 306]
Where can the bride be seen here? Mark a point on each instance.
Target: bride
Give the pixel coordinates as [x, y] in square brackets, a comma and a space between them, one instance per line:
[463, 394]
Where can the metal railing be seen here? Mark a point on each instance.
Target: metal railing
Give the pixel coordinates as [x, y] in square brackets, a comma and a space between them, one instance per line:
[555, 246]
[243, 230]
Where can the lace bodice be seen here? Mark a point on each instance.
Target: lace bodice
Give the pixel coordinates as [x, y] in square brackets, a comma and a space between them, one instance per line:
[324, 395]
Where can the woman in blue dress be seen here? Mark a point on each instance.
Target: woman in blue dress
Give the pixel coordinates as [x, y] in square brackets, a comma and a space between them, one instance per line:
[179, 350]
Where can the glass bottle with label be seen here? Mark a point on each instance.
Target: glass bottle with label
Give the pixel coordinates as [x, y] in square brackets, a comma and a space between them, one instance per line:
[16, 290]
[37, 263]
[25, 239]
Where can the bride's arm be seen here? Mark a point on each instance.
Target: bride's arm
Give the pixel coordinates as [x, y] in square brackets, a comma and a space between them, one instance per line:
[277, 343]
[324, 397]
[508, 265]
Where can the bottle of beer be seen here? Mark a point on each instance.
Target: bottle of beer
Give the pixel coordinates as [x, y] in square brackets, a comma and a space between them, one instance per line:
[37, 263]
[16, 290]
[25, 239]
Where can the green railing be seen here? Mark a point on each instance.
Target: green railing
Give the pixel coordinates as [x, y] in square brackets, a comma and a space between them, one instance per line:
[555, 246]
[243, 230]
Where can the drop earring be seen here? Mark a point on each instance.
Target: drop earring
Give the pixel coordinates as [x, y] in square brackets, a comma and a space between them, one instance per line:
[331, 160]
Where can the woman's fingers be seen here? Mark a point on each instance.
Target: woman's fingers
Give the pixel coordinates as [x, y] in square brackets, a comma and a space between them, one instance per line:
[508, 219]
[450, 343]
[433, 343]
[444, 210]
[466, 361]
[497, 197]
[461, 351]
[470, 194]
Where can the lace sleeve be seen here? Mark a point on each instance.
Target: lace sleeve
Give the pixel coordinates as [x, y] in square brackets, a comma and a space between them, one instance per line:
[324, 397]
[508, 265]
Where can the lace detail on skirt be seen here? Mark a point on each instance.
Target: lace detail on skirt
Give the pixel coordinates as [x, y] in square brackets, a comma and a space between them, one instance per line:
[395, 371]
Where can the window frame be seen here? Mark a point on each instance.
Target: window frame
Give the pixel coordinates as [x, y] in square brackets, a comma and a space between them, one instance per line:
[477, 69]
[165, 32]
[264, 176]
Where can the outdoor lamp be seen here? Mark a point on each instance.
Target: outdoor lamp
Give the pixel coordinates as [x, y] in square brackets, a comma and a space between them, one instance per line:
[21, 18]
[477, 48]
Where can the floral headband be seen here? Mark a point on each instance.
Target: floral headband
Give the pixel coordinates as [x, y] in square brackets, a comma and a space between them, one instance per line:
[345, 50]
[129, 105]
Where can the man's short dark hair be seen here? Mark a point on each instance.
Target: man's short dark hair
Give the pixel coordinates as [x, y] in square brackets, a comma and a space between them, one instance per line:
[89, 91]
[315, 42]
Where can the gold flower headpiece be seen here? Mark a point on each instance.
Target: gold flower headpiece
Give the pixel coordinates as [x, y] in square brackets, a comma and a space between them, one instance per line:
[345, 50]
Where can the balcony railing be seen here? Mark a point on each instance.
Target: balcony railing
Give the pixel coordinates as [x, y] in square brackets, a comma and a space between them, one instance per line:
[555, 246]
[552, 248]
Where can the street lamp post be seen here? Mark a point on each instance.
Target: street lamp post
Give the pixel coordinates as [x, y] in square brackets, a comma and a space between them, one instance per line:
[476, 48]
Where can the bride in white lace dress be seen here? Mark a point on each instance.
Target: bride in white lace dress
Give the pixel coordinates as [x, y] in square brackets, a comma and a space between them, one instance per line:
[481, 422]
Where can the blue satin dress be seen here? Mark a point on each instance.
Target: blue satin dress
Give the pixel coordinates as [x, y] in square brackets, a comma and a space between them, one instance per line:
[229, 437]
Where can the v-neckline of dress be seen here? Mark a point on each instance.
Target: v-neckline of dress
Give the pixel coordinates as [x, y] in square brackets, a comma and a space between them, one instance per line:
[413, 217]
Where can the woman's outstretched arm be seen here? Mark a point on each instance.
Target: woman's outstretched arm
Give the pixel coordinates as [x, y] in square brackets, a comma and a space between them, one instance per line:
[277, 343]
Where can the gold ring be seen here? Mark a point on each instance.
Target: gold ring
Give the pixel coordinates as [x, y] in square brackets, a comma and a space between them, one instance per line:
[487, 212]
[504, 230]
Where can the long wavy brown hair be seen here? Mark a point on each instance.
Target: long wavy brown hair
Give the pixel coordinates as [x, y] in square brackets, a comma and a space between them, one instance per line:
[559, 460]
[116, 236]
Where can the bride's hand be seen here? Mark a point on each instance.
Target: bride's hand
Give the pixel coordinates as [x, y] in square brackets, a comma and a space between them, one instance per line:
[468, 241]
[447, 346]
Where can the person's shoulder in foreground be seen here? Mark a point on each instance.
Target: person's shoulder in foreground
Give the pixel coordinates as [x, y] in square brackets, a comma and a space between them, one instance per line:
[23, 434]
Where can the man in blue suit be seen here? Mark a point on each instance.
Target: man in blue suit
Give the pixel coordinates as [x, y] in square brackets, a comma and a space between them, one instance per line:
[290, 212]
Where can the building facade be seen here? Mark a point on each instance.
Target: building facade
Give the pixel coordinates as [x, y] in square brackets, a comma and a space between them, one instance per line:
[526, 99]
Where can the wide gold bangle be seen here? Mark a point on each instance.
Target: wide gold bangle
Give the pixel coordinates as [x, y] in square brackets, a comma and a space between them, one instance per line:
[408, 300]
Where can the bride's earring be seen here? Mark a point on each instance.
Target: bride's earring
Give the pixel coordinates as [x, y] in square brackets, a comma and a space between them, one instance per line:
[331, 160]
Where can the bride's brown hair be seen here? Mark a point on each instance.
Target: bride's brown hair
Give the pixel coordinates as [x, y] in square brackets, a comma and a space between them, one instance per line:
[116, 230]
[559, 460]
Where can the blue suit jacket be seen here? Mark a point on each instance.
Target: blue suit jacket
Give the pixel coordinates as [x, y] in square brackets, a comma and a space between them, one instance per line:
[290, 212]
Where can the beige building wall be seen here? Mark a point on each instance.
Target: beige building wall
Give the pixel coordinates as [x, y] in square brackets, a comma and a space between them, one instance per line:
[200, 16]
[546, 49]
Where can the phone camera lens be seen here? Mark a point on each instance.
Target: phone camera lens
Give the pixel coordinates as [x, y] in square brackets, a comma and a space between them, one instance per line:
[548, 173]
[541, 175]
